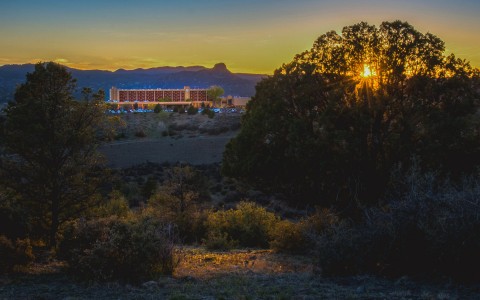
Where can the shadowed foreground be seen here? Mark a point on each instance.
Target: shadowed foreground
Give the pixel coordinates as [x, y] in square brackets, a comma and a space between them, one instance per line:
[240, 274]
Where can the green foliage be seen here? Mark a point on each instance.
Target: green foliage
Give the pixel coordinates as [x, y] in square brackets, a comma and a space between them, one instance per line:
[13, 219]
[289, 237]
[301, 236]
[218, 240]
[13, 254]
[179, 201]
[318, 130]
[248, 225]
[116, 205]
[149, 188]
[208, 112]
[214, 93]
[192, 110]
[158, 108]
[50, 141]
[128, 250]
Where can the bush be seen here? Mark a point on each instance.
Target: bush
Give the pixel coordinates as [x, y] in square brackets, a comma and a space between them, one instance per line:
[179, 201]
[140, 133]
[14, 254]
[208, 112]
[289, 237]
[345, 250]
[157, 109]
[109, 249]
[219, 241]
[149, 188]
[248, 225]
[433, 229]
[192, 110]
[189, 221]
[117, 205]
[13, 219]
[301, 236]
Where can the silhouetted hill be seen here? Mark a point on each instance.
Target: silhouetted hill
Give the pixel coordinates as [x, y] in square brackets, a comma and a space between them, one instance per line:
[240, 84]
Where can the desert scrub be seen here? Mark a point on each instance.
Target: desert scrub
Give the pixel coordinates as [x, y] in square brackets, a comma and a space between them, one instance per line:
[111, 249]
[430, 228]
[180, 201]
[289, 237]
[115, 205]
[248, 225]
[14, 253]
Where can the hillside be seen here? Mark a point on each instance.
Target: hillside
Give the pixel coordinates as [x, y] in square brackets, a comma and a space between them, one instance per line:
[240, 84]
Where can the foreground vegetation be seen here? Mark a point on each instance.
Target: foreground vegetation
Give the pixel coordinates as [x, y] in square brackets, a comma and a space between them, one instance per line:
[338, 176]
[223, 275]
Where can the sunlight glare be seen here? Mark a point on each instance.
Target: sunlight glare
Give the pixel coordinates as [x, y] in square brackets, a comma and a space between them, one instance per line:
[368, 71]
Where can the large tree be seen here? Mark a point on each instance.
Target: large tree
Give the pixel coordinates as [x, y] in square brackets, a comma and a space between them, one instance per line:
[50, 142]
[332, 124]
[213, 93]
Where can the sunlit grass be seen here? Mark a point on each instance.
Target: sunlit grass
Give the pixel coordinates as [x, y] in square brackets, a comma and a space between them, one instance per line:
[203, 264]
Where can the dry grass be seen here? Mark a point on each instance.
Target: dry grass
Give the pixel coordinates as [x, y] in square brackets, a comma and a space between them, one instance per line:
[202, 264]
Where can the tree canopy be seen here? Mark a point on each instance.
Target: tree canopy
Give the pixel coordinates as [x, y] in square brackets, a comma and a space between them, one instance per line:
[331, 125]
[50, 143]
[214, 92]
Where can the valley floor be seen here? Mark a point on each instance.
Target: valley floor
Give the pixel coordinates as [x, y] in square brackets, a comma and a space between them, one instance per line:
[172, 137]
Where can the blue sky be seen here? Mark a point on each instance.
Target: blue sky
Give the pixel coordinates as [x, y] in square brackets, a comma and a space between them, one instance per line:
[249, 36]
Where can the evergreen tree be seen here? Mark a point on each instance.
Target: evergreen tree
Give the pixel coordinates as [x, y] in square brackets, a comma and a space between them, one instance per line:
[331, 125]
[50, 143]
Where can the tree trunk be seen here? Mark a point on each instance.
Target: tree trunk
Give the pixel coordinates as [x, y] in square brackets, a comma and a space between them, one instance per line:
[55, 220]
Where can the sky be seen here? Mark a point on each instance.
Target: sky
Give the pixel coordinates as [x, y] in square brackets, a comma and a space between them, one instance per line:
[251, 36]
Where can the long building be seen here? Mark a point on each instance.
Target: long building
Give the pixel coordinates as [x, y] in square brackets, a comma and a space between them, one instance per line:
[172, 96]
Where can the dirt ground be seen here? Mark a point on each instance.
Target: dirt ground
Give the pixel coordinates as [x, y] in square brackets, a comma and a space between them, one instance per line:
[238, 274]
[171, 137]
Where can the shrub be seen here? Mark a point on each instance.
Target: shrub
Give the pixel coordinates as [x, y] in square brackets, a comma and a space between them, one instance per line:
[185, 215]
[140, 133]
[249, 225]
[132, 250]
[117, 205]
[289, 237]
[157, 109]
[13, 220]
[345, 249]
[433, 229]
[14, 254]
[208, 112]
[179, 201]
[149, 188]
[219, 241]
[191, 110]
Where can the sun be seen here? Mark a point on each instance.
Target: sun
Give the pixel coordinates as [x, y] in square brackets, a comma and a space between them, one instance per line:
[368, 71]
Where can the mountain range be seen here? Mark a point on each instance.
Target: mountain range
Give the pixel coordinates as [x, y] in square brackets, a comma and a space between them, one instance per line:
[235, 84]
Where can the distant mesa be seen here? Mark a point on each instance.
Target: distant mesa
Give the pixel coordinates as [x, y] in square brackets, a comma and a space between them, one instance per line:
[168, 77]
[220, 67]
